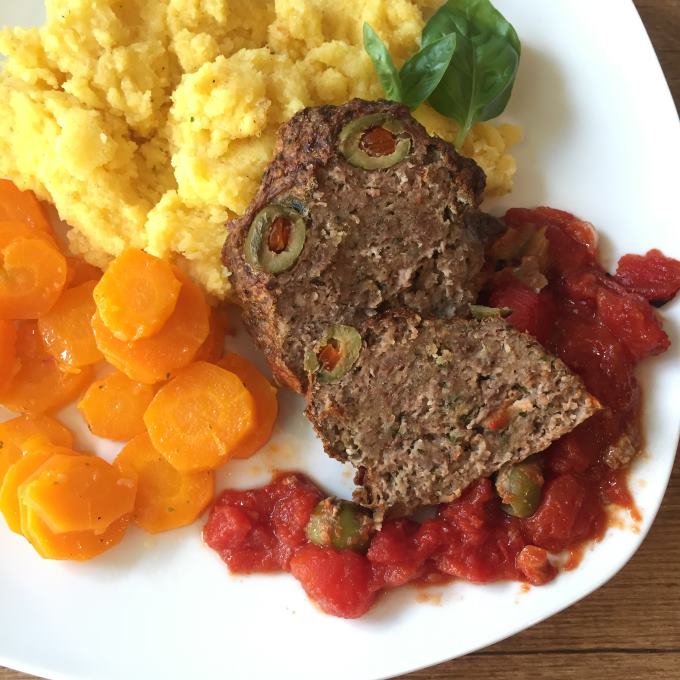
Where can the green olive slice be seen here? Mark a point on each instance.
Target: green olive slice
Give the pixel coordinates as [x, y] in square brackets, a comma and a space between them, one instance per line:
[339, 524]
[520, 487]
[374, 142]
[334, 354]
[275, 239]
[482, 312]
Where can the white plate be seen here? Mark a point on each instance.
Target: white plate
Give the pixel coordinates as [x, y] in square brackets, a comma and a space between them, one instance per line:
[602, 140]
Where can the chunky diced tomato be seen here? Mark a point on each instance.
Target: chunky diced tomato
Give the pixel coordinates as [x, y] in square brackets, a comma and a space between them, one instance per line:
[592, 351]
[338, 581]
[569, 513]
[653, 276]
[532, 312]
[535, 565]
[395, 554]
[633, 321]
[584, 446]
[292, 511]
[257, 530]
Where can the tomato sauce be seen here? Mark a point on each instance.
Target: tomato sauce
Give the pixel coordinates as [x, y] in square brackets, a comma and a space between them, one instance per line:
[601, 327]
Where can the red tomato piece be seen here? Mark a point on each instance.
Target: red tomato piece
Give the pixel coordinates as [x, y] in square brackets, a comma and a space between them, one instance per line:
[592, 351]
[534, 563]
[257, 530]
[632, 319]
[395, 555]
[653, 276]
[569, 514]
[532, 312]
[338, 581]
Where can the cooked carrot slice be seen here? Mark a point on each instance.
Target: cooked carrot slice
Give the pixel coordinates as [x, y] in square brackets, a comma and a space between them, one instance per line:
[40, 386]
[66, 329]
[13, 230]
[199, 418]
[78, 493]
[15, 432]
[21, 206]
[80, 272]
[8, 353]
[33, 276]
[114, 406]
[213, 347]
[166, 498]
[266, 403]
[16, 475]
[151, 360]
[74, 545]
[136, 295]
[8, 456]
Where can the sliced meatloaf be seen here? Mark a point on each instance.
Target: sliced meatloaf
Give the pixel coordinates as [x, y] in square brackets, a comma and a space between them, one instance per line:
[359, 212]
[422, 408]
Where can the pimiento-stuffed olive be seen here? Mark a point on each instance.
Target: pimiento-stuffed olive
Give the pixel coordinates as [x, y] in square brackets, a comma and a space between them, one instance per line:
[339, 524]
[275, 239]
[520, 487]
[334, 354]
[374, 142]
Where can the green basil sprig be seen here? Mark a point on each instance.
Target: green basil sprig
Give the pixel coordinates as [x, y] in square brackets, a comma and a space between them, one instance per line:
[472, 84]
[419, 76]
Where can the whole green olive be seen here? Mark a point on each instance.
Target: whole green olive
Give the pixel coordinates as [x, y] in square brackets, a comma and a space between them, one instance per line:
[520, 487]
[339, 524]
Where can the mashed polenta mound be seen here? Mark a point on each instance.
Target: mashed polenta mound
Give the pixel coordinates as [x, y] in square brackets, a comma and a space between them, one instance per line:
[149, 124]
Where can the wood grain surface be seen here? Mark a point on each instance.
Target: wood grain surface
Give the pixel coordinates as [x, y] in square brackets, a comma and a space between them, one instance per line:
[631, 627]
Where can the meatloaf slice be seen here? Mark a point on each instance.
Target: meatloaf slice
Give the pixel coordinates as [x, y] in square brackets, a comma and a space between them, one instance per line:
[328, 241]
[431, 405]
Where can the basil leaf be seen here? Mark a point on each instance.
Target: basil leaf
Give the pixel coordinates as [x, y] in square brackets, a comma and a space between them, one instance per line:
[421, 74]
[384, 66]
[478, 83]
[471, 18]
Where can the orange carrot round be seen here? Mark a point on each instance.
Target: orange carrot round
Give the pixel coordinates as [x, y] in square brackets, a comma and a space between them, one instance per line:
[266, 403]
[15, 476]
[8, 353]
[40, 386]
[78, 493]
[15, 432]
[67, 328]
[154, 359]
[21, 206]
[11, 230]
[114, 406]
[75, 545]
[166, 498]
[199, 418]
[34, 276]
[136, 295]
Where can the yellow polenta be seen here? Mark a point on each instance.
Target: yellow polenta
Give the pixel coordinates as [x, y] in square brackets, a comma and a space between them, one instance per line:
[149, 124]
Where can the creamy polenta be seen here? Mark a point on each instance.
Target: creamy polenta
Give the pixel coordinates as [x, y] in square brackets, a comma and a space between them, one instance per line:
[149, 124]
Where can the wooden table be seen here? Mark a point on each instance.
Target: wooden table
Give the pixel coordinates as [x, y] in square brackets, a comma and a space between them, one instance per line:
[631, 627]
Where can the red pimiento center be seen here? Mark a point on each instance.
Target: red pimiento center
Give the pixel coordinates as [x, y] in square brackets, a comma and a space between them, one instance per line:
[329, 356]
[378, 141]
[279, 234]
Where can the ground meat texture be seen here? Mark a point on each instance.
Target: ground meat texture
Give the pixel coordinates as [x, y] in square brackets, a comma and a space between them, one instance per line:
[432, 405]
[409, 236]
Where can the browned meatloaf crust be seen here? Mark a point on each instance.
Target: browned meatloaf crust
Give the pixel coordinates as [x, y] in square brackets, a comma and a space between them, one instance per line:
[432, 405]
[407, 236]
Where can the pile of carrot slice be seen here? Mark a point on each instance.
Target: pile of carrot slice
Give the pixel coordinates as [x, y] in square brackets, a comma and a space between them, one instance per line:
[183, 409]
